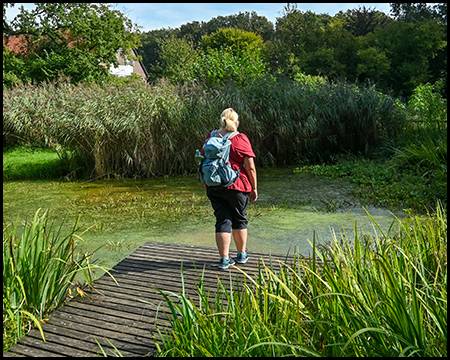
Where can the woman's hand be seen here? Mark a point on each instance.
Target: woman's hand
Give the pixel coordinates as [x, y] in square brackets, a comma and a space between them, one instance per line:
[249, 164]
[253, 195]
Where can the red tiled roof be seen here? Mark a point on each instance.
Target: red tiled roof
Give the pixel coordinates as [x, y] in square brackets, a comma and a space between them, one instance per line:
[16, 44]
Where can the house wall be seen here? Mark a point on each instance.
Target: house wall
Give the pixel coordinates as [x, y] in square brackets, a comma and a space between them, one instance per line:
[125, 69]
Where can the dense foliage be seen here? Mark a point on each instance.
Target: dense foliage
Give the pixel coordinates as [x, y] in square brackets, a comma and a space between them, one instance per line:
[360, 45]
[74, 39]
[410, 173]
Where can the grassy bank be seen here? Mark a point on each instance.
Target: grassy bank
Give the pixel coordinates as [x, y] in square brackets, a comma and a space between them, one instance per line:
[413, 177]
[26, 162]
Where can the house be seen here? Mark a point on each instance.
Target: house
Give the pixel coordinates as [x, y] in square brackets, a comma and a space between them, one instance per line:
[126, 67]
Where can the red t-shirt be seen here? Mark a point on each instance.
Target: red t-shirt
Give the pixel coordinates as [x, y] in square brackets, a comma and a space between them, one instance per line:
[240, 148]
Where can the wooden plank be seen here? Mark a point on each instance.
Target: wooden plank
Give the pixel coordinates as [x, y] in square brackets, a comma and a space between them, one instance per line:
[113, 315]
[34, 341]
[27, 351]
[81, 338]
[118, 315]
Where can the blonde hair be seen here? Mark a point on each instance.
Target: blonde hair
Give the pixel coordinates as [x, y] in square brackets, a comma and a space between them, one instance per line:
[229, 119]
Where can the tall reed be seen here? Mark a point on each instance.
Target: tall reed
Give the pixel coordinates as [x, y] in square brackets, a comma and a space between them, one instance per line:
[40, 264]
[138, 129]
[384, 295]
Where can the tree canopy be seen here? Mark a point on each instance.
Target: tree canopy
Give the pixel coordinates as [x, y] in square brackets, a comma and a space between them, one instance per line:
[74, 39]
[395, 52]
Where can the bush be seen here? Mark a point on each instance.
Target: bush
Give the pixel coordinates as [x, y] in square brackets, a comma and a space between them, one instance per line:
[218, 66]
[427, 108]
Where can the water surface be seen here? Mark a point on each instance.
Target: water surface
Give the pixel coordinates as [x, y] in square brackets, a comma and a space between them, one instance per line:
[118, 215]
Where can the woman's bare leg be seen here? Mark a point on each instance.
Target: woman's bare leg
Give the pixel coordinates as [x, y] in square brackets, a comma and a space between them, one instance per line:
[240, 239]
[223, 241]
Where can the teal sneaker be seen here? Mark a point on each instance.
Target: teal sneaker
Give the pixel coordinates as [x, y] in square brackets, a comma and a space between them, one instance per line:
[242, 257]
[225, 263]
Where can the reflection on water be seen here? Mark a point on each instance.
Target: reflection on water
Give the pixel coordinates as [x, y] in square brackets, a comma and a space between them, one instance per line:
[120, 215]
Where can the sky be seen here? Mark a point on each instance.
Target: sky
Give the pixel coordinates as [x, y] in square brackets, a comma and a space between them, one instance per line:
[152, 16]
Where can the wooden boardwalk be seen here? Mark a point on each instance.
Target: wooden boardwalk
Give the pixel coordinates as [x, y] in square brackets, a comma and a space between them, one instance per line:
[118, 316]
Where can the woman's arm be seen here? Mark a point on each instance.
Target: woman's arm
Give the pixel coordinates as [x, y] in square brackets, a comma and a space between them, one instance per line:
[249, 164]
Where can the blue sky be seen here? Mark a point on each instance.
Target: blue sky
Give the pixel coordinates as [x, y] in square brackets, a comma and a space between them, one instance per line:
[151, 16]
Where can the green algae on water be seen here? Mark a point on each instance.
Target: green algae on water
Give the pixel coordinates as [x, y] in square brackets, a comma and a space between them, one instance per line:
[119, 215]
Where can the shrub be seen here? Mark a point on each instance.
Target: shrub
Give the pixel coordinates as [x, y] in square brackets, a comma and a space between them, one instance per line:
[427, 108]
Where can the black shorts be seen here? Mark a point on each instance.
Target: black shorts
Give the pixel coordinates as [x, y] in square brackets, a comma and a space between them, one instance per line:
[229, 207]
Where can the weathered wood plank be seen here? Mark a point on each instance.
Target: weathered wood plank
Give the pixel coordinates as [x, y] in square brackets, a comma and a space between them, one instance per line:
[118, 315]
[26, 351]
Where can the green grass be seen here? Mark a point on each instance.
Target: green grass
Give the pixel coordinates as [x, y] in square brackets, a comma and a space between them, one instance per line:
[32, 162]
[40, 265]
[371, 296]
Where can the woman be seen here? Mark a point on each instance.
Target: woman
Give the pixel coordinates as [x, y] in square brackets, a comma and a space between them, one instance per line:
[230, 204]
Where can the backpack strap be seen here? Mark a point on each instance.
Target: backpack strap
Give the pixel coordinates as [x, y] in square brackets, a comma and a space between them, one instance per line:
[226, 136]
[230, 134]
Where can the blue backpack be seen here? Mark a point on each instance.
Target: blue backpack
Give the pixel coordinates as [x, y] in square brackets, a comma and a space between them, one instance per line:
[214, 169]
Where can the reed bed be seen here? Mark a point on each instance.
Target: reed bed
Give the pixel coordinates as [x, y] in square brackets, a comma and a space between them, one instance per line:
[40, 265]
[141, 130]
[384, 295]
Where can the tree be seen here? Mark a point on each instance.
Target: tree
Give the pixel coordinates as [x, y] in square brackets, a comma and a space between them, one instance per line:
[247, 21]
[362, 21]
[410, 48]
[218, 66]
[422, 12]
[150, 50]
[79, 40]
[413, 12]
[231, 54]
[373, 64]
[195, 30]
[235, 41]
[178, 58]
[301, 34]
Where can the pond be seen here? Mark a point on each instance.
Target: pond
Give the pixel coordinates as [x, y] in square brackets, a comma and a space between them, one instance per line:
[119, 215]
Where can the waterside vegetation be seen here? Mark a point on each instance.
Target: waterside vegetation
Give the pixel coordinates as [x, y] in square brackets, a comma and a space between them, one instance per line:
[368, 296]
[40, 265]
[138, 130]
[396, 153]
